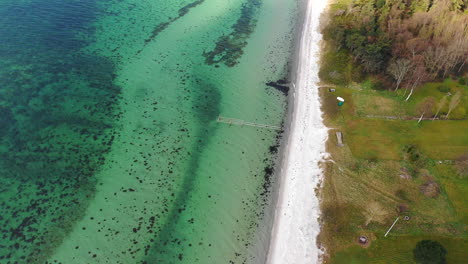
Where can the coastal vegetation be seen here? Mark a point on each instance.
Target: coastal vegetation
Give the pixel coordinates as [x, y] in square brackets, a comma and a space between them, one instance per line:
[401, 68]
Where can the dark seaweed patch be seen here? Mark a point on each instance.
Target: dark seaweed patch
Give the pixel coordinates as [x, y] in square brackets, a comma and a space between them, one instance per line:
[162, 26]
[158, 29]
[184, 10]
[269, 168]
[280, 86]
[229, 48]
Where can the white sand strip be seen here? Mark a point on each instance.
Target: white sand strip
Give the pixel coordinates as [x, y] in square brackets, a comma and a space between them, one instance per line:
[296, 226]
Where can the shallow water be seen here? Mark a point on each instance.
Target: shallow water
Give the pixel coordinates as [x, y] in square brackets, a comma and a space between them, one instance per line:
[110, 149]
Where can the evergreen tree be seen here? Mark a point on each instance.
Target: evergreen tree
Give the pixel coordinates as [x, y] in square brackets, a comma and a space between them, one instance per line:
[429, 252]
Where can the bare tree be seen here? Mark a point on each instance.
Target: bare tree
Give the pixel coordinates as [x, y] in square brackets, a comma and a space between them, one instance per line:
[435, 59]
[456, 53]
[416, 45]
[463, 63]
[398, 69]
[426, 107]
[453, 103]
[413, 85]
[458, 50]
[394, 21]
[441, 104]
[448, 34]
[374, 212]
[418, 76]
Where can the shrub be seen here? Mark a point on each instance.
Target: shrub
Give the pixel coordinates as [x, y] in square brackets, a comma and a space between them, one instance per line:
[379, 3]
[443, 88]
[373, 84]
[430, 189]
[414, 158]
[336, 68]
[377, 85]
[462, 81]
[458, 113]
[426, 106]
[429, 252]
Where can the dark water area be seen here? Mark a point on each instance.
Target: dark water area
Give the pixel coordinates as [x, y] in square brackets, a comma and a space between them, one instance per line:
[57, 113]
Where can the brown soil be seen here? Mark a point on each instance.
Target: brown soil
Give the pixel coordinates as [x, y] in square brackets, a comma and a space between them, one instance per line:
[430, 189]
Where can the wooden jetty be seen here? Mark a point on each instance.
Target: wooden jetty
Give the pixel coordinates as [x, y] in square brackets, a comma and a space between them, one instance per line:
[239, 122]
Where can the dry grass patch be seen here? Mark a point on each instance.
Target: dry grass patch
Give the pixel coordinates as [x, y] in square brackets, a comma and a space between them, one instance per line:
[370, 103]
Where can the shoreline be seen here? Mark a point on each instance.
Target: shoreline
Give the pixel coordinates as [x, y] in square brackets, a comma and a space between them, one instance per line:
[294, 237]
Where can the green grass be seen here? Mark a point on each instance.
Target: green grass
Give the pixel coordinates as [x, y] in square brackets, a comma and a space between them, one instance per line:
[384, 139]
[368, 101]
[366, 170]
[456, 188]
[431, 90]
[399, 249]
[371, 138]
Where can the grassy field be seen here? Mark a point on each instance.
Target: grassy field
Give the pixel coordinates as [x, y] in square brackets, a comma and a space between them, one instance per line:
[392, 166]
[398, 249]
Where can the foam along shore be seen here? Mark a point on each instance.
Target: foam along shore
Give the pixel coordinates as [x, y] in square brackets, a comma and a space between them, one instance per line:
[295, 228]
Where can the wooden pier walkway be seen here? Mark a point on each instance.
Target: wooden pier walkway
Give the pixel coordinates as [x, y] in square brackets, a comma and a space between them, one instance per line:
[239, 122]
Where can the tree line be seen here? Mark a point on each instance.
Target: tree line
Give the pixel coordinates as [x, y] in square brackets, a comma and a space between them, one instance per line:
[411, 42]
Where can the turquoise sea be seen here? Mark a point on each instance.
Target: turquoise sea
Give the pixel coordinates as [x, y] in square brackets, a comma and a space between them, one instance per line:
[110, 151]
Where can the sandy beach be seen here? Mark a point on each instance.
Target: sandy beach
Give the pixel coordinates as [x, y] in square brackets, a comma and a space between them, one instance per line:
[296, 226]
